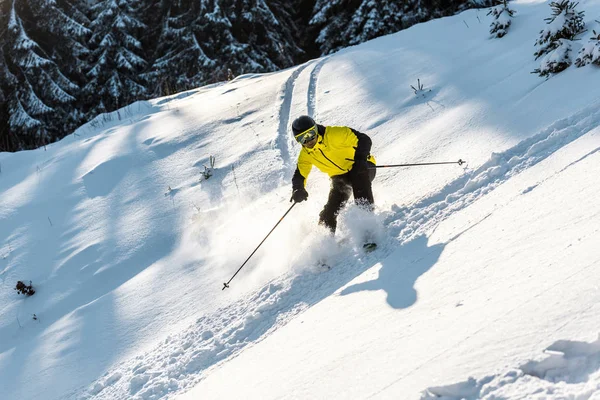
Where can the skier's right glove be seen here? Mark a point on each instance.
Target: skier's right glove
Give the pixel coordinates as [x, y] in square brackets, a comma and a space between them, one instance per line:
[299, 195]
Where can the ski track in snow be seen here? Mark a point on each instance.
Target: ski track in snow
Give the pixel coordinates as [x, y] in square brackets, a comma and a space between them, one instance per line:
[311, 96]
[575, 365]
[283, 142]
[182, 360]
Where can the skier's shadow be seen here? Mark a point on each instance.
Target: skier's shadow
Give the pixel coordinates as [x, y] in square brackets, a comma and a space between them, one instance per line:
[400, 270]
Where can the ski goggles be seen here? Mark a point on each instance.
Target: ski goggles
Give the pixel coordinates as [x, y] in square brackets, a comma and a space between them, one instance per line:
[307, 135]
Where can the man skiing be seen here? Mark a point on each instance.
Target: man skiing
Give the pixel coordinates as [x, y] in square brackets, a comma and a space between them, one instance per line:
[341, 152]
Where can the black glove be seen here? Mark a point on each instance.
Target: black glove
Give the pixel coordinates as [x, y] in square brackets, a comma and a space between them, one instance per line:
[299, 195]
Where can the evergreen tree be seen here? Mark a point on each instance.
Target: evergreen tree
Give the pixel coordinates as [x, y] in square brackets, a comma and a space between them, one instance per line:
[8, 84]
[38, 98]
[28, 62]
[590, 53]
[294, 16]
[255, 28]
[179, 62]
[343, 22]
[330, 20]
[501, 15]
[60, 32]
[4, 81]
[117, 57]
[554, 44]
[201, 41]
[70, 32]
[372, 19]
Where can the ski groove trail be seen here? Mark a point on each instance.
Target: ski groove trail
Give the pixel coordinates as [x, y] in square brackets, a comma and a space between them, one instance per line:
[283, 141]
[311, 95]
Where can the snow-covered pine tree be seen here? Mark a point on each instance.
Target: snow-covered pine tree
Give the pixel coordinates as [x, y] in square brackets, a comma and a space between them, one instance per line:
[330, 19]
[554, 45]
[28, 62]
[179, 61]
[39, 98]
[201, 40]
[342, 22]
[9, 140]
[4, 84]
[501, 15]
[259, 41]
[61, 33]
[67, 27]
[590, 52]
[372, 19]
[117, 56]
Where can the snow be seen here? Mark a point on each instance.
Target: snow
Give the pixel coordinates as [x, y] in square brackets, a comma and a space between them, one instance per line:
[484, 284]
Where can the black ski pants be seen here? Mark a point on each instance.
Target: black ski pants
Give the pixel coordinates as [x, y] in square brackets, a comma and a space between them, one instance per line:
[359, 184]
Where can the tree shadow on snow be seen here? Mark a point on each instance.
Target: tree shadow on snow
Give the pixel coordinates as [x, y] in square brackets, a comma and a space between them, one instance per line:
[400, 270]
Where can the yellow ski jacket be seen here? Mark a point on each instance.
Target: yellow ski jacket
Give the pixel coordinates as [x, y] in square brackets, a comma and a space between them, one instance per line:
[334, 152]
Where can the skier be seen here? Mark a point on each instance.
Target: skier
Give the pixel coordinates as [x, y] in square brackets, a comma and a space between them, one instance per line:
[341, 152]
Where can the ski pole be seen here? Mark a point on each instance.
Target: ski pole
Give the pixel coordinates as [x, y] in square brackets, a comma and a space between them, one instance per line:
[226, 285]
[459, 162]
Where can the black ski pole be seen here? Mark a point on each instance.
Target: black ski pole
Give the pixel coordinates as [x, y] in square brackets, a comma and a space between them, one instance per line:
[459, 162]
[226, 285]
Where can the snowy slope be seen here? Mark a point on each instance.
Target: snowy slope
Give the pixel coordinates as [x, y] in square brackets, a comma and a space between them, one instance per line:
[480, 268]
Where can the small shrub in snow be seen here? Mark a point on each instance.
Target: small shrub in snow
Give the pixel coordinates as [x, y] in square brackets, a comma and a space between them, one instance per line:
[502, 19]
[419, 90]
[590, 53]
[565, 23]
[208, 171]
[557, 60]
[21, 288]
[554, 44]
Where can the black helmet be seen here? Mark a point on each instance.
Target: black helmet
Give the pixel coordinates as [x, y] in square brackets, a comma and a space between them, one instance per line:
[301, 124]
